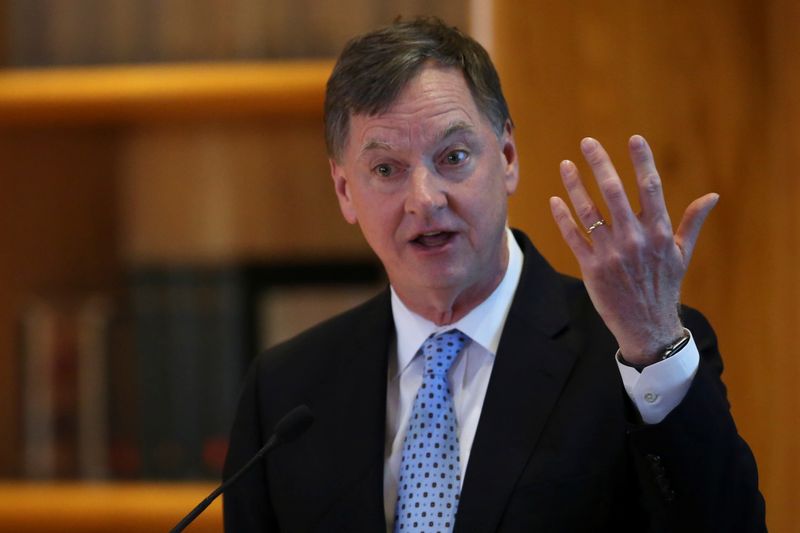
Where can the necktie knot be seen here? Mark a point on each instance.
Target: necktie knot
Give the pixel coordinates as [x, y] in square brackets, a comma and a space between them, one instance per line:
[440, 351]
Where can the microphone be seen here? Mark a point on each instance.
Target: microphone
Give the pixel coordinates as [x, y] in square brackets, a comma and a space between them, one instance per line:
[291, 426]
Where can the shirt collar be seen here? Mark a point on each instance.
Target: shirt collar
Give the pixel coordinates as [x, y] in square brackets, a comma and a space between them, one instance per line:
[484, 324]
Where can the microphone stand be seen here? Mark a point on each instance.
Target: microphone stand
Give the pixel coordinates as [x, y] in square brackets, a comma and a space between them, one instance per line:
[289, 428]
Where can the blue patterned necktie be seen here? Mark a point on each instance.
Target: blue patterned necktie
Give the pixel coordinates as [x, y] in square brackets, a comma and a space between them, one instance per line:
[430, 474]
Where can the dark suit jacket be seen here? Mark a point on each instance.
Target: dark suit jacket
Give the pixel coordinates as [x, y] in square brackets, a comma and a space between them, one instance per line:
[558, 447]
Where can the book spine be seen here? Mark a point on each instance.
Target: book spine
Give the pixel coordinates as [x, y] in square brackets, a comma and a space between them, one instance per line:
[38, 432]
[93, 329]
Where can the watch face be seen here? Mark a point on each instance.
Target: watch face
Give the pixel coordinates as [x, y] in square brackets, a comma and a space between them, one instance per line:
[676, 346]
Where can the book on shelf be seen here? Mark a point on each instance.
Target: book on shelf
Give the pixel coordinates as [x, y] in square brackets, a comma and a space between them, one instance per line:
[145, 385]
[64, 350]
[196, 330]
[189, 331]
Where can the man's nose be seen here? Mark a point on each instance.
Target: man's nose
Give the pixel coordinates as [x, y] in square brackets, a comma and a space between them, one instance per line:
[426, 192]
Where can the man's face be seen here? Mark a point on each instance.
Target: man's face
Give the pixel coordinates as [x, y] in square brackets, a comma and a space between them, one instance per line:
[428, 182]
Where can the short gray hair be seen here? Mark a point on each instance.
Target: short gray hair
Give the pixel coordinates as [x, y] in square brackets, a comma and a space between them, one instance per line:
[375, 67]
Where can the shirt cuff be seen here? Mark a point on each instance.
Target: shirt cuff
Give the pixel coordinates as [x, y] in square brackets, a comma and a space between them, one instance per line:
[660, 387]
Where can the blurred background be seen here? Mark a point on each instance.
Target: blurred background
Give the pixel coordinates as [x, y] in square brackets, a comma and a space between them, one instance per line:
[166, 211]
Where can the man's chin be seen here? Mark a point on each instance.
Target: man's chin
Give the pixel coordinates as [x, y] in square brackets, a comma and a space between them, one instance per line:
[443, 279]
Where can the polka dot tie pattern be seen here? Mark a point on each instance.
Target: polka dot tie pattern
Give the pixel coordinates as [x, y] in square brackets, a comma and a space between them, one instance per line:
[430, 474]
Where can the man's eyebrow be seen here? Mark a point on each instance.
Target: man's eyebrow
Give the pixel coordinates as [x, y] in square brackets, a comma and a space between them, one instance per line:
[454, 128]
[375, 145]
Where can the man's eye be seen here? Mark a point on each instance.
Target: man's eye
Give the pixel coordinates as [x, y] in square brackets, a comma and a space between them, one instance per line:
[383, 170]
[456, 156]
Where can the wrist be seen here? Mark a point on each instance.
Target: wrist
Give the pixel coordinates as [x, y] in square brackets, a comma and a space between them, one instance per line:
[665, 350]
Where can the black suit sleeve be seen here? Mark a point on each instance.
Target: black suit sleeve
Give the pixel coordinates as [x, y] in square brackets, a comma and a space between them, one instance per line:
[696, 472]
[246, 504]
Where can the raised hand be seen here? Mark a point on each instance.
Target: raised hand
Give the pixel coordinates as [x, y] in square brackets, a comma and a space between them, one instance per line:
[632, 265]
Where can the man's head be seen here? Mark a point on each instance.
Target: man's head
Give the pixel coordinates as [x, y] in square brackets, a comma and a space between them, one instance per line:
[425, 171]
[373, 68]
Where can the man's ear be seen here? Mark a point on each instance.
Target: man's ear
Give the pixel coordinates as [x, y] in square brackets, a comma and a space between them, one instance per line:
[342, 187]
[508, 147]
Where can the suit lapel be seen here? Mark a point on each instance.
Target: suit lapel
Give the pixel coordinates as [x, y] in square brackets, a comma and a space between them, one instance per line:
[532, 364]
[351, 420]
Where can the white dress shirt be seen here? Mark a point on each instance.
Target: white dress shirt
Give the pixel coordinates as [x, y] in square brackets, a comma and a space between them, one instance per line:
[655, 391]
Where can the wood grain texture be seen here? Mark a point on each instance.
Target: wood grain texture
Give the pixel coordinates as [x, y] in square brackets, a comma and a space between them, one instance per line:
[776, 375]
[114, 95]
[213, 192]
[99, 508]
[714, 87]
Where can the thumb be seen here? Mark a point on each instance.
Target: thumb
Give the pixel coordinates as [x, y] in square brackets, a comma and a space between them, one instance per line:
[691, 223]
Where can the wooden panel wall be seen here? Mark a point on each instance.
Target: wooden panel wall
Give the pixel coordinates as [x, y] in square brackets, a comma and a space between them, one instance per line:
[714, 86]
[775, 374]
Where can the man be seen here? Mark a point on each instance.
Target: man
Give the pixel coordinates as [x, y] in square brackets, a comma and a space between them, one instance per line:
[481, 391]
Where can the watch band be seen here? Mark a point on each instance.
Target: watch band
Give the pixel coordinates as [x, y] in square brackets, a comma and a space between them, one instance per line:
[668, 351]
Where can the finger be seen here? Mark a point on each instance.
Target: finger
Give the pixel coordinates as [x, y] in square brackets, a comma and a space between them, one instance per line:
[651, 193]
[584, 207]
[569, 229]
[609, 183]
[692, 222]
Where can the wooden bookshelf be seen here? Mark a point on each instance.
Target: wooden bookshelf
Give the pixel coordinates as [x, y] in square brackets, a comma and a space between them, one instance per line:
[100, 157]
[98, 507]
[58, 96]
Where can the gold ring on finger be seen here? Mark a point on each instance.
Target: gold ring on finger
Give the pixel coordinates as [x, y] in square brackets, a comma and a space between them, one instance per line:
[594, 226]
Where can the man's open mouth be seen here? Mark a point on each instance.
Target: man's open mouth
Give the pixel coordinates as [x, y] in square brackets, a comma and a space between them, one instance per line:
[433, 239]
